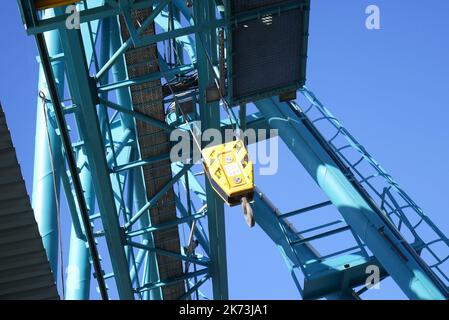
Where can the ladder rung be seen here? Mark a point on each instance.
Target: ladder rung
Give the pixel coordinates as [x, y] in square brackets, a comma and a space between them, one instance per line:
[306, 209]
[333, 223]
[319, 236]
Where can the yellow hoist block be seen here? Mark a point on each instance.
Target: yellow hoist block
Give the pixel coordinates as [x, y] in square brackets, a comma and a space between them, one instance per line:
[230, 171]
[46, 4]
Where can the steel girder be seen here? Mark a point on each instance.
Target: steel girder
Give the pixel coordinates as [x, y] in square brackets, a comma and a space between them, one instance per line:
[206, 48]
[394, 253]
[94, 140]
[295, 249]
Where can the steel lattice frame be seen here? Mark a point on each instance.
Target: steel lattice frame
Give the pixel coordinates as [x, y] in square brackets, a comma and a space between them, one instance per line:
[109, 166]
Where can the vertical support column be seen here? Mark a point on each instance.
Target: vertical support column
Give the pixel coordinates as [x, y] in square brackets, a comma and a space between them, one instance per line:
[79, 265]
[105, 47]
[79, 269]
[45, 201]
[85, 95]
[119, 73]
[151, 273]
[242, 116]
[206, 48]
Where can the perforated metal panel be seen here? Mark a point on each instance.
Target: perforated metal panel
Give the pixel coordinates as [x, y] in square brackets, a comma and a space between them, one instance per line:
[269, 53]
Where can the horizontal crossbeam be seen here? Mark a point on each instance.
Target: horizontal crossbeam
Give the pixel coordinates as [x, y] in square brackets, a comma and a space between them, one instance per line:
[200, 261]
[159, 284]
[306, 209]
[136, 114]
[166, 225]
[181, 70]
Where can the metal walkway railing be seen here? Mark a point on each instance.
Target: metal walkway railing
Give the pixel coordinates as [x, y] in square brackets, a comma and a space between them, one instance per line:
[410, 220]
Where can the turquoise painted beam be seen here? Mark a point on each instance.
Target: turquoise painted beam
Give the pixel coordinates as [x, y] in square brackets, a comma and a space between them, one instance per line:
[44, 199]
[83, 94]
[206, 47]
[93, 13]
[400, 260]
[123, 97]
[79, 268]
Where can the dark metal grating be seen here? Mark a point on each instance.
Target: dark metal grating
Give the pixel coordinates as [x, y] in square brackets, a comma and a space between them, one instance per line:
[269, 54]
[24, 269]
[147, 98]
[239, 6]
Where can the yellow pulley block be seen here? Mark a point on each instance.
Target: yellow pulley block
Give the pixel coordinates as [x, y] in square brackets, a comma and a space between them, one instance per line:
[231, 174]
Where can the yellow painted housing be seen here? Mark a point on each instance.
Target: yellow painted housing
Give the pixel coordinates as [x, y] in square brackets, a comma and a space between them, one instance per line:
[230, 171]
[46, 4]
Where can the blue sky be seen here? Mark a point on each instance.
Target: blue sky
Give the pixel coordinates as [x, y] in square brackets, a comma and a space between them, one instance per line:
[389, 87]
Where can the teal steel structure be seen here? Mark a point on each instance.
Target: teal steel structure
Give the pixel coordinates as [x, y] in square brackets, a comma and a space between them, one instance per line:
[43, 185]
[100, 167]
